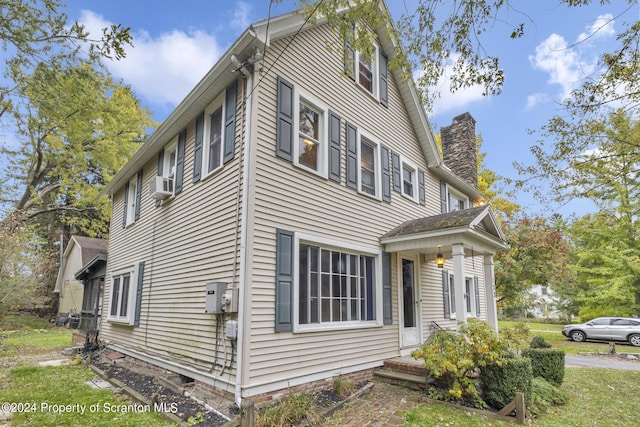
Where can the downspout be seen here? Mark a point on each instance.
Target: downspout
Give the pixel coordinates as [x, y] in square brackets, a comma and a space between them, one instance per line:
[243, 236]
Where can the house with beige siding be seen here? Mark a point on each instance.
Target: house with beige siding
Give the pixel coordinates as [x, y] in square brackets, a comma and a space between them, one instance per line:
[281, 226]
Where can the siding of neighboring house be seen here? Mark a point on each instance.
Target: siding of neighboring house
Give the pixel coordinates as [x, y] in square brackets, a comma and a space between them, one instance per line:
[186, 242]
[290, 198]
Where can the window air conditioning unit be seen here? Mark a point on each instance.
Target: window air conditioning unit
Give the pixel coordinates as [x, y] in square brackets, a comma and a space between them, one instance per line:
[161, 188]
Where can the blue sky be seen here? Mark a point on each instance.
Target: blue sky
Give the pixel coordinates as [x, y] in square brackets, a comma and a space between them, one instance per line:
[175, 44]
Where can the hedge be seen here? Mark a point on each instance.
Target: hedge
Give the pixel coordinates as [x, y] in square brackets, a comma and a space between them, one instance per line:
[500, 383]
[547, 363]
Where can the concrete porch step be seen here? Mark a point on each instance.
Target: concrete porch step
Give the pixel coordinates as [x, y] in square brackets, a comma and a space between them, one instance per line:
[414, 382]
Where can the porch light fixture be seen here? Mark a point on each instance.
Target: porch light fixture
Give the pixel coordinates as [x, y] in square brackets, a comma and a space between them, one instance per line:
[440, 259]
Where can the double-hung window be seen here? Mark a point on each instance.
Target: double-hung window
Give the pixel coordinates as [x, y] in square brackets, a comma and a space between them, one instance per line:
[457, 201]
[311, 121]
[369, 161]
[452, 296]
[122, 295]
[131, 200]
[170, 164]
[367, 70]
[336, 287]
[409, 176]
[213, 136]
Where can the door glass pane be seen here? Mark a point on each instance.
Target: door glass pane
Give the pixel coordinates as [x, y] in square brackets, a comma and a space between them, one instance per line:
[407, 294]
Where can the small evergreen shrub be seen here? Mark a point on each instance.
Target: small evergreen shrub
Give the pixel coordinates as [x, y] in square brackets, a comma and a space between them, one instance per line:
[539, 342]
[547, 363]
[502, 380]
[544, 395]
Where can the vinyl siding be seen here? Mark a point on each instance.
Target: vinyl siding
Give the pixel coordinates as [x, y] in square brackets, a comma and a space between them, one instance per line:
[290, 198]
[186, 242]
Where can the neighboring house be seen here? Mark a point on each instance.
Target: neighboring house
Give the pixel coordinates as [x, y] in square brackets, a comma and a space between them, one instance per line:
[92, 276]
[79, 251]
[543, 303]
[280, 227]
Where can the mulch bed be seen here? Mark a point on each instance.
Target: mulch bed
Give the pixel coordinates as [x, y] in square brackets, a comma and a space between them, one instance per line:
[147, 387]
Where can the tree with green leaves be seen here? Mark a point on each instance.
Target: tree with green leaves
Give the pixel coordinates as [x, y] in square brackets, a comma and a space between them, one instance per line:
[537, 255]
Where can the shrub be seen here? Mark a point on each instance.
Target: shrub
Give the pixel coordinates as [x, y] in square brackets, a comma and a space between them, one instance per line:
[343, 387]
[291, 411]
[453, 358]
[502, 380]
[547, 363]
[544, 395]
[539, 342]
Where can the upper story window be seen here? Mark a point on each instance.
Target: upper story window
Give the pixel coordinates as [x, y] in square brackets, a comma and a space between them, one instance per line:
[213, 136]
[409, 178]
[131, 201]
[170, 160]
[369, 161]
[368, 70]
[456, 201]
[311, 151]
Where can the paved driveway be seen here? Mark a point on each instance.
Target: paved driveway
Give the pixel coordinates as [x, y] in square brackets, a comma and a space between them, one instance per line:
[610, 362]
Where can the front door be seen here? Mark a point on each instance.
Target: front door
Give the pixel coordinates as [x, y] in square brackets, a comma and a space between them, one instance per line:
[409, 303]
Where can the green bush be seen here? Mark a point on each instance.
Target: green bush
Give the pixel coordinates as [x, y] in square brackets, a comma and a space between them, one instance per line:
[453, 359]
[547, 363]
[539, 342]
[502, 380]
[544, 395]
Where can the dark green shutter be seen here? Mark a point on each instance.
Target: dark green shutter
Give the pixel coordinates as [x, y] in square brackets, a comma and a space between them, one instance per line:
[284, 281]
[126, 203]
[136, 321]
[197, 155]
[386, 174]
[443, 197]
[334, 147]
[387, 290]
[230, 122]
[397, 173]
[421, 190]
[160, 170]
[284, 125]
[352, 156]
[182, 138]
[384, 83]
[138, 195]
[445, 293]
[477, 291]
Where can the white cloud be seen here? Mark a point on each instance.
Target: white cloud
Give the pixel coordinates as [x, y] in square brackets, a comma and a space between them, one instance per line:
[602, 27]
[241, 15]
[161, 69]
[568, 66]
[454, 101]
[536, 99]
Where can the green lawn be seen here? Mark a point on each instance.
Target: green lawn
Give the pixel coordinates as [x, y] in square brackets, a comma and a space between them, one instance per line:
[597, 397]
[57, 396]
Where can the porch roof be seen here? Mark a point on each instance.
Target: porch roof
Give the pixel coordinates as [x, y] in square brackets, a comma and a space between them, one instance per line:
[476, 228]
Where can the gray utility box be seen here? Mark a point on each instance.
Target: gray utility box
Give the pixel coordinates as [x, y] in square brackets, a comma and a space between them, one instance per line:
[213, 298]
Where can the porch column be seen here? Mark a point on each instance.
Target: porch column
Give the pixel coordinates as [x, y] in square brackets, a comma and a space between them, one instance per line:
[489, 290]
[457, 251]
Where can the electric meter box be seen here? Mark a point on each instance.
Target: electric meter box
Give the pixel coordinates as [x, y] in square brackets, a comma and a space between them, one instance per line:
[213, 297]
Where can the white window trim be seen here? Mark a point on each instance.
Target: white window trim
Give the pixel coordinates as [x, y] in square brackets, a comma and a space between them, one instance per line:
[323, 140]
[452, 295]
[458, 195]
[131, 201]
[166, 166]
[131, 304]
[377, 168]
[217, 103]
[375, 71]
[414, 174]
[471, 295]
[343, 247]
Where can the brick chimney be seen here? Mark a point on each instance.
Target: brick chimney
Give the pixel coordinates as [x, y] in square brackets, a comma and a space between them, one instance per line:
[459, 148]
